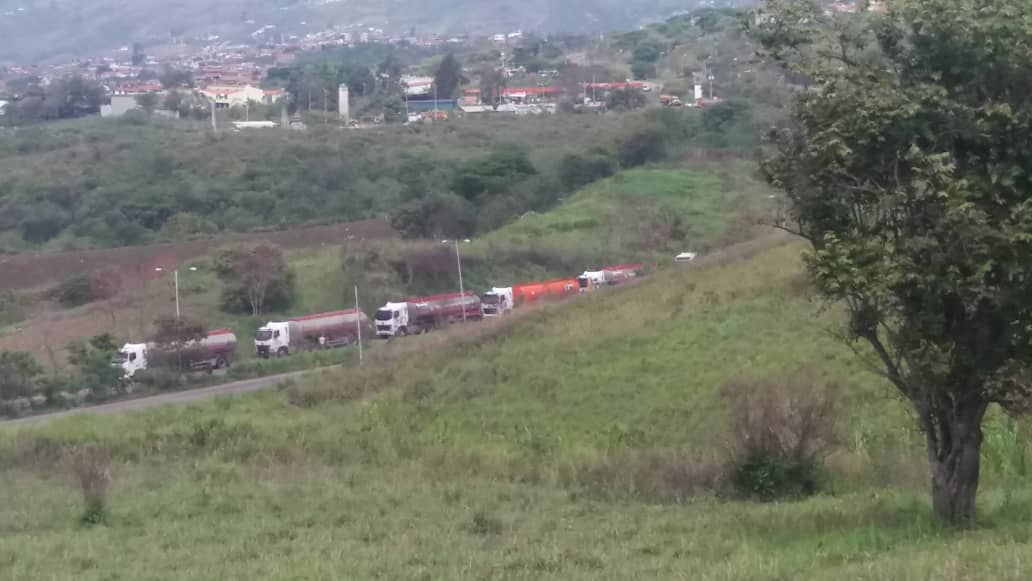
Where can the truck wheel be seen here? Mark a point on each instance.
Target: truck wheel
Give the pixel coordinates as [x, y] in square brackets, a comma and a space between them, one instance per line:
[221, 363]
[402, 332]
[283, 352]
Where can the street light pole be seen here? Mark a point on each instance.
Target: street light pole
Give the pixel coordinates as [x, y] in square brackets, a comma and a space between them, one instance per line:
[462, 290]
[175, 279]
[358, 325]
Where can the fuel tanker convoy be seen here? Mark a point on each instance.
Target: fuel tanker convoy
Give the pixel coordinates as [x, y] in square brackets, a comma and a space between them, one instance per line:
[214, 351]
[609, 275]
[423, 314]
[323, 330]
[500, 300]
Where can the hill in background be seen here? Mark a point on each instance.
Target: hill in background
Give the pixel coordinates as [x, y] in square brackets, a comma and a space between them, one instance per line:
[48, 29]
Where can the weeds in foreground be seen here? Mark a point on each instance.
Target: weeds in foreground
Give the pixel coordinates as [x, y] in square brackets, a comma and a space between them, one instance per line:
[782, 431]
[91, 465]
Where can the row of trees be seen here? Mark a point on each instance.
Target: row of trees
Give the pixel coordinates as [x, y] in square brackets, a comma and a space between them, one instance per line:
[151, 192]
[65, 98]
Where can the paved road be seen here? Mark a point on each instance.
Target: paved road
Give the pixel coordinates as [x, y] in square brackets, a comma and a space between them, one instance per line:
[178, 398]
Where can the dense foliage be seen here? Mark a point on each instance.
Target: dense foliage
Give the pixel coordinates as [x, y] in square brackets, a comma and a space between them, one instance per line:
[133, 180]
[255, 278]
[908, 172]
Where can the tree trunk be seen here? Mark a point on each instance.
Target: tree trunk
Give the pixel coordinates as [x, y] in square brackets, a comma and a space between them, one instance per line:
[954, 439]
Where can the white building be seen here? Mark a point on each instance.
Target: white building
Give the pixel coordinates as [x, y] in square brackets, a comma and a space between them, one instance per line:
[239, 96]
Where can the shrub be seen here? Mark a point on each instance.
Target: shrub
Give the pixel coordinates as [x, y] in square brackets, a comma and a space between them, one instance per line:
[11, 308]
[91, 465]
[782, 431]
[643, 146]
[576, 170]
[19, 375]
[485, 524]
[85, 288]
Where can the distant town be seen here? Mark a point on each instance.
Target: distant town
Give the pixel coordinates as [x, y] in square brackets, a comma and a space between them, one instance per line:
[236, 75]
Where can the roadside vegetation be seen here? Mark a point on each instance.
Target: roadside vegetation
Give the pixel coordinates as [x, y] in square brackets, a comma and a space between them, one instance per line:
[646, 214]
[590, 440]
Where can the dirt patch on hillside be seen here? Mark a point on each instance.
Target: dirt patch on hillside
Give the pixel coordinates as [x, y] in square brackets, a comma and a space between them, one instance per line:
[137, 264]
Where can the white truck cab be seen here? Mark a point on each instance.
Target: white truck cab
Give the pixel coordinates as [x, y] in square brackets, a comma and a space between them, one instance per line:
[132, 358]
[272, 339]
[392, 319]
[591, 279]
[497, 302]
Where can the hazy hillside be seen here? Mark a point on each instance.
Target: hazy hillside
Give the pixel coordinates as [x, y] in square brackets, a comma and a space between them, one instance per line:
[47, 29]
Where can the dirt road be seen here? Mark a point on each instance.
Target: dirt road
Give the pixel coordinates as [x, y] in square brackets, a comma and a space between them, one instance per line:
[178, 398]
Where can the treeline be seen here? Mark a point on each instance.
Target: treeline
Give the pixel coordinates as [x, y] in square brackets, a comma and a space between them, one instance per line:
[66, 98]
[711, 45]
[134, 181]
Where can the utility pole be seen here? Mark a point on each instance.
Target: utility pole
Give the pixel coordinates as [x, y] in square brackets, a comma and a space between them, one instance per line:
[175, 282]
[462, 290]
[358, 325]
[214, 127]
[326, 105]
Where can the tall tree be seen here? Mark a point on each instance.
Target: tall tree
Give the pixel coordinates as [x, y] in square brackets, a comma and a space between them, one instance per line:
[907, 169]
[255, 277]
[448, 77]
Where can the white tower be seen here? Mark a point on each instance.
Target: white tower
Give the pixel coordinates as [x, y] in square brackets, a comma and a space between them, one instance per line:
[342, 104]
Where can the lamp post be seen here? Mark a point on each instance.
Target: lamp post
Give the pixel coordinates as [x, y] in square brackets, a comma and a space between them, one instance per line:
[175, 284]
[458, 262]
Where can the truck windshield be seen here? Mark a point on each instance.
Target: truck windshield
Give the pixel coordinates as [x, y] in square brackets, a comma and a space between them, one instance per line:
[119, 358]
[582, 281]
[262, 335]
[384, 315]
[489, 299]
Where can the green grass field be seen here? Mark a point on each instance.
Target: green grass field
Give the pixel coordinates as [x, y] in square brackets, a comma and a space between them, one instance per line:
[527, 448]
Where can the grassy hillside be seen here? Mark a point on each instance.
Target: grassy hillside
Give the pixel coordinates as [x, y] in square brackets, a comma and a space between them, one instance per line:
[651, 210]
[542, 446]
[649, 213]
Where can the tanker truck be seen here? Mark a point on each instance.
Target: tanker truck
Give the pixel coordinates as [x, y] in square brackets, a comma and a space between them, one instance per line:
[423, 314]
[500, 300]
[214, 351]
[609, 275]
[323, 330]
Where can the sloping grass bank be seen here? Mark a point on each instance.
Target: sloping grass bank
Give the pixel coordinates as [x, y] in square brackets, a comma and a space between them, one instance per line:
[467, 455]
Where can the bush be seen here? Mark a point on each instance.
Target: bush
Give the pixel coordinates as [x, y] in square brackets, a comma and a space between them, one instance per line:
[643, 146]
[781, 434]
[576, 170]
[86, 288]
[91, 465]
[11, 308]
[19, 375]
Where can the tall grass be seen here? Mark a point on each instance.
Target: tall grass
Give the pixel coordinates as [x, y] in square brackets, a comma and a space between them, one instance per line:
[571, 441]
